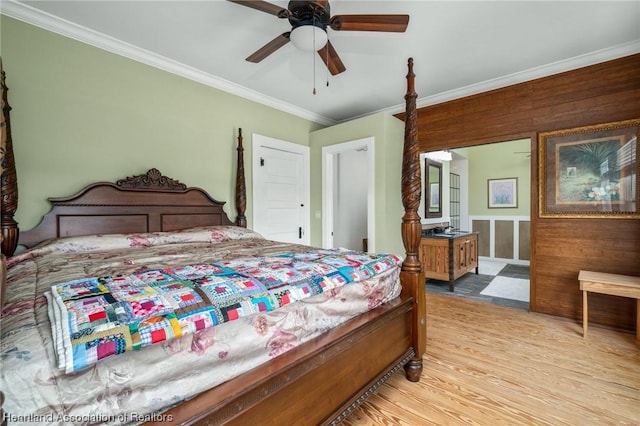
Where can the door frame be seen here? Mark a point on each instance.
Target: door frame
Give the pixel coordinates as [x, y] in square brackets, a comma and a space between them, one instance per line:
[329, 154]
[260, 141]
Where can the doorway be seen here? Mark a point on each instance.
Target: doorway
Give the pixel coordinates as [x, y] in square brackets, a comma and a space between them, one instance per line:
[503, 232]
[348, 195]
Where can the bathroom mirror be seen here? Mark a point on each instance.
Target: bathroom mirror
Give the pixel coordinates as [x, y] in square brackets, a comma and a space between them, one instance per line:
[432, 188]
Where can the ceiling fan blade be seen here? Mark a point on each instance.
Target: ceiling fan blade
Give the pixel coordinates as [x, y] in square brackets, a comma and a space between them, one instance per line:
[386, 23]
[264, 6]
[269, 48]
[331, 59]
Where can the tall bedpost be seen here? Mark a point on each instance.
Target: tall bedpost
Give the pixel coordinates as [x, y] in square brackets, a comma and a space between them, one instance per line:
[8, 179]
[241, 190]
[411, 275]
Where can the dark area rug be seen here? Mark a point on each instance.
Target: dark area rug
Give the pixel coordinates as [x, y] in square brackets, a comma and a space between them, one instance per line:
[470, 285]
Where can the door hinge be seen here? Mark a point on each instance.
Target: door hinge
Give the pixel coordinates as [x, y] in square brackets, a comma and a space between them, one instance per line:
[261, 162]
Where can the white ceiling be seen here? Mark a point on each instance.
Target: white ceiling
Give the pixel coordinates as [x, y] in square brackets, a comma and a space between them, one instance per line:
[459, 47]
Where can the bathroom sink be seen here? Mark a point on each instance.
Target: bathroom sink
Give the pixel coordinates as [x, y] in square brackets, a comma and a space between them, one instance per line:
[451, 234]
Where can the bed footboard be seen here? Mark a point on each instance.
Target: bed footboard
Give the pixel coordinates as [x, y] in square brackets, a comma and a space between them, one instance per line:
[333, 374]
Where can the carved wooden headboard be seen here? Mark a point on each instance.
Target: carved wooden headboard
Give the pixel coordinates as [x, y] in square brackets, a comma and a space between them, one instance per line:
[149, 202]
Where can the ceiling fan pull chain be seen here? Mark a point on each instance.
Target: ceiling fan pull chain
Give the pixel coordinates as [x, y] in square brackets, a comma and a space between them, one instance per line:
[314, 57]
[314, 73]
[327, 56]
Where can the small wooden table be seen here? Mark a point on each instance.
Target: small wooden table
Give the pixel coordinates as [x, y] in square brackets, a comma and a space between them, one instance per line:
[613, 284]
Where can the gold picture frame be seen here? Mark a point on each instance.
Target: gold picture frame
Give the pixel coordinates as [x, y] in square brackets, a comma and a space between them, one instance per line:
[590, 172]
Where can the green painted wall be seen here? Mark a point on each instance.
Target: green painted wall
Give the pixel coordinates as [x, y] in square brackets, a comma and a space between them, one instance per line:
[498, 161]
[388, 133]
[81, 114]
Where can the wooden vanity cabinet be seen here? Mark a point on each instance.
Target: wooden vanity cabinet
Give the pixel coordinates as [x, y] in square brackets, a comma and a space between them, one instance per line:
[447, 258]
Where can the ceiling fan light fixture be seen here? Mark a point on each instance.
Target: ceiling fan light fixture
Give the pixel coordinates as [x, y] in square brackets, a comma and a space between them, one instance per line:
[309, 38]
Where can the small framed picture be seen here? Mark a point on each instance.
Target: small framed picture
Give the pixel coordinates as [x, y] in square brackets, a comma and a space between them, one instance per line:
[502, 193]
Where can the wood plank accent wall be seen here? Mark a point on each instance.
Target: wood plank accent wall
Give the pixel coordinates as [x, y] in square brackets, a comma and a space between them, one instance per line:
[601, 93]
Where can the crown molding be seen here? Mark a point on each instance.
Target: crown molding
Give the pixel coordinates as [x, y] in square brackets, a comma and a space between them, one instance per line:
[30, 15]
[592, 58]
[38, 18]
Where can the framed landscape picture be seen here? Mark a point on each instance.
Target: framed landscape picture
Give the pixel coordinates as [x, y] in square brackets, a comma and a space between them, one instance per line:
[589, 171]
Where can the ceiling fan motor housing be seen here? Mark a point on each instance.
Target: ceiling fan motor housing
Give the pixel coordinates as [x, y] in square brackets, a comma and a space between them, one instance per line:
[309, 20]
[315, 13]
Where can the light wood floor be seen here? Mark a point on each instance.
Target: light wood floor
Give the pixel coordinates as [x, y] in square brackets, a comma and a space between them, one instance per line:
[493, 365]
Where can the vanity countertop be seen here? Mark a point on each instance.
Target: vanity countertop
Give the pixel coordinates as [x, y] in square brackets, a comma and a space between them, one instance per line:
[450, 234]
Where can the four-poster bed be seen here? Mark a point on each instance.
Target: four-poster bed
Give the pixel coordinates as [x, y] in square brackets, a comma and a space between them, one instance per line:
[318, 380]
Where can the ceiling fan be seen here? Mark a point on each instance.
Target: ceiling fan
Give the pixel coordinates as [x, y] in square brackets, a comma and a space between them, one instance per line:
[309, 22]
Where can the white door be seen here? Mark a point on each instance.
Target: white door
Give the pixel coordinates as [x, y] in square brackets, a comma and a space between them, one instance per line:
[280, 190]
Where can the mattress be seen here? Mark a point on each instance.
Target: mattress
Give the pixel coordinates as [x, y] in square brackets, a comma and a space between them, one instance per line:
[139, 385]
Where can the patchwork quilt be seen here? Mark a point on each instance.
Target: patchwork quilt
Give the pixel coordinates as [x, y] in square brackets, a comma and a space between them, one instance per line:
[99, 317]
[128, 388]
